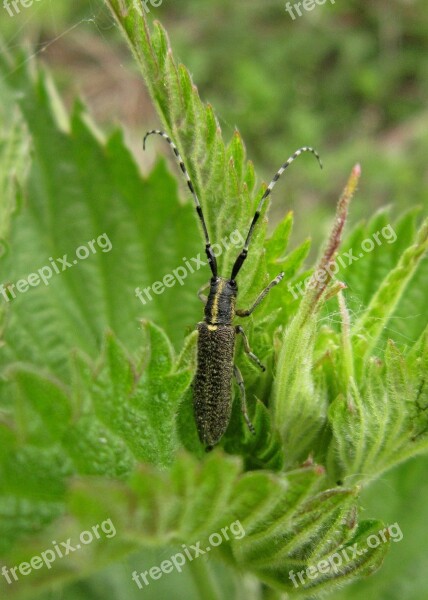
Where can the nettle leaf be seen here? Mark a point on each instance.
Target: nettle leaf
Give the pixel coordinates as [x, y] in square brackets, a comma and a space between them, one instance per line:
[118, 413]
[368, 254]
[14, 143]
[285, 522]
[264, 449]
[138, 406]
[417, 363]
[14, 146]
[369, 327]
[94, 189]
[280, 258]
[370, 251]
[382, 422]
[92, 422]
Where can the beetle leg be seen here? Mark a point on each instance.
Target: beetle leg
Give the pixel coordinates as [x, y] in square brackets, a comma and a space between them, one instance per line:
[247, 348]
[240, 382]
[260, 297]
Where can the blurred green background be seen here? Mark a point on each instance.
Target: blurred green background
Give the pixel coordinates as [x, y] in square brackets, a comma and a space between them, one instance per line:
[351, 79]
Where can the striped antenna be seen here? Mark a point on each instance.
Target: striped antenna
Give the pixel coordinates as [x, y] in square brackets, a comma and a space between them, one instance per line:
[208, 250]
[243, 255]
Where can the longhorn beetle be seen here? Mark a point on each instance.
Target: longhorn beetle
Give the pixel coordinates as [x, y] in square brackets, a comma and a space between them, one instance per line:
[212, 385]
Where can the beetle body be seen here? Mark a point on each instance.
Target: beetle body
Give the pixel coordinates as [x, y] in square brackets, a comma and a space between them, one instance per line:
[212, 385]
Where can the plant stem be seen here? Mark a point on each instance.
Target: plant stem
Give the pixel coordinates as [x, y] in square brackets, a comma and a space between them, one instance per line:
[204, 580]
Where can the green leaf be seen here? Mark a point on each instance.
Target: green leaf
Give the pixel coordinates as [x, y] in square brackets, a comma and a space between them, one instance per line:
[65, 209]
[369, 327]
[124, 412]
[197, 499]
[92, 423]
[378, 425]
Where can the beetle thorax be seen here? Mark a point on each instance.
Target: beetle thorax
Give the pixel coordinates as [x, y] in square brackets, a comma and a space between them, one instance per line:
[220, 307]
